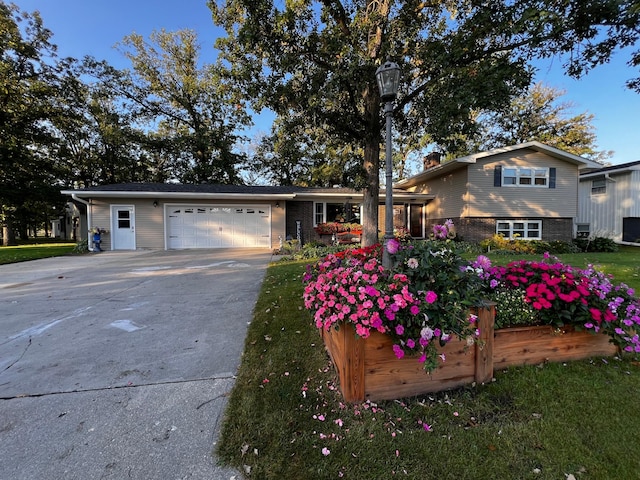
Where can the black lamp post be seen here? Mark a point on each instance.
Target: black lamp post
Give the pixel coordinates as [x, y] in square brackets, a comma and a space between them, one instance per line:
[388, 76]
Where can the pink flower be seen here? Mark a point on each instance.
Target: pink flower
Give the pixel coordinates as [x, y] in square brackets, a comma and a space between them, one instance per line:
[482, 262]
[325, 451]
[393, 246]
[431, 296]
[440, 232]
[399, 329]
[397, 350]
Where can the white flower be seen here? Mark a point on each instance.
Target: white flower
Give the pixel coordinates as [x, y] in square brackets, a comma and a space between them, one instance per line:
[426, 333]
[412, 263]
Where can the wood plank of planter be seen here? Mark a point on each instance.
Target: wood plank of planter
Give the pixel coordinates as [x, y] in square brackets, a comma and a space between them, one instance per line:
[534, 345]
[388, 377]
[484, 344]
[347, 354]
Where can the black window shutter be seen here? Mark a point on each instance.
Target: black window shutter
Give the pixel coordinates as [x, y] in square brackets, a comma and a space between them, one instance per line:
[497, 176]
[552, 177]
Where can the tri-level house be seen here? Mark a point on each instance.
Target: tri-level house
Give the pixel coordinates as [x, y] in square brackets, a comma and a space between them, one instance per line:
[527, 191]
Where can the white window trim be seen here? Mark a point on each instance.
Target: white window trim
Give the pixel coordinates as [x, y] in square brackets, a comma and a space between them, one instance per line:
[324, 212]
[519, 171]
[525, 229]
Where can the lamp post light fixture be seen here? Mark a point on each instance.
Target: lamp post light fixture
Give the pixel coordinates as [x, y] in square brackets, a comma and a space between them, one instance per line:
[388, 76]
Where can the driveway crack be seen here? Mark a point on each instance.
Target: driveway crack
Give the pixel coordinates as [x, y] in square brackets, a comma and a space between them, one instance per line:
[119, 387]
[20, 357]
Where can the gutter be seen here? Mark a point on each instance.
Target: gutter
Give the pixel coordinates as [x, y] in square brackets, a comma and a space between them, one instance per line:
[88, 204]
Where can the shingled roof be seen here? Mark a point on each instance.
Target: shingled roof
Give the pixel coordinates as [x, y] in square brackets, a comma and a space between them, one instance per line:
[191, 188]
[210, 190]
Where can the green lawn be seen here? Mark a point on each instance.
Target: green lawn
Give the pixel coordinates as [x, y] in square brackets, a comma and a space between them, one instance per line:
[624, 264]
[285, 417]
[23, 253]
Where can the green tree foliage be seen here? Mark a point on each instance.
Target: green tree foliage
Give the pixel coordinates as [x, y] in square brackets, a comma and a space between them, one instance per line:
[317, 59]
[192, 112]
[539, 115]
[97, 142]
[66, 122]
[292, 156]
[27, 86]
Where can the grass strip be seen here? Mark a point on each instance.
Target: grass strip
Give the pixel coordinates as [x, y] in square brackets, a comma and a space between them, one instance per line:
[24, 253]
[286, 419]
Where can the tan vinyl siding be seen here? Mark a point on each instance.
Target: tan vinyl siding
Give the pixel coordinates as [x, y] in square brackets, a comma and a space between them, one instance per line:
[486, 200]
[450, 195]
[100, 218]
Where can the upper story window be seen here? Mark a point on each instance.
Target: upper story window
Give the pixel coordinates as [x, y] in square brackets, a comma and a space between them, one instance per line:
[599, 187]
[539, 177]
[525, 177]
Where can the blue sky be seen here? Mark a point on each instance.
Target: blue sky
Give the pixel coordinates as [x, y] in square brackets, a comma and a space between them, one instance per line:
[93, 27]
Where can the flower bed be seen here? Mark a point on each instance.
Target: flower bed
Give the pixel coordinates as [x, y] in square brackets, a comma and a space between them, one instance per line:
[385, 327]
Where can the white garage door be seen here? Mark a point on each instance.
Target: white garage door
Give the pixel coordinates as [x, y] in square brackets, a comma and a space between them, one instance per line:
[218, 226]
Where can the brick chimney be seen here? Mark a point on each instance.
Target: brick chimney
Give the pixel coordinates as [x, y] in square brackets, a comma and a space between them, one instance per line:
[431, 160]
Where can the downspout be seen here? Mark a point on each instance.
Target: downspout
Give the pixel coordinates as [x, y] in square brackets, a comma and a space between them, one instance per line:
[88, 204]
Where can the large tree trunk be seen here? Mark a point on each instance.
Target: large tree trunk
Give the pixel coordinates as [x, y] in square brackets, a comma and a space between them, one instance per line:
[371, 167]
[371, 192]
[8, 235]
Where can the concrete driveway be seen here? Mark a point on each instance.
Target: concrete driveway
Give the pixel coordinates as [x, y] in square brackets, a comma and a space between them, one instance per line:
[117, 365]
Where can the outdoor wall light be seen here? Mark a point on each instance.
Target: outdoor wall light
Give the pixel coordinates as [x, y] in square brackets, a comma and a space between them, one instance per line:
[388, 76]
[277, 204]
[155, 203]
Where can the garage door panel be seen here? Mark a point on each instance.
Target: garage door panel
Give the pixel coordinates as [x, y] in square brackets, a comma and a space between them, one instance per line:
[218, 226]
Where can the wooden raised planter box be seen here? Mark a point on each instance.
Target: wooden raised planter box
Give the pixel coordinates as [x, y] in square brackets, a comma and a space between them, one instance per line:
[369, 370]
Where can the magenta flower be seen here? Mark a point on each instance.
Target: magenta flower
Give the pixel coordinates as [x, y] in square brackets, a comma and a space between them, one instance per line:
[393, 246]
[440, 232]
[397, 350]
[431, 296]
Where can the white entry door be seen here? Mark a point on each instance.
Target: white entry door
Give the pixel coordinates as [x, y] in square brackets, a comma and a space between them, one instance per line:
[123, 228]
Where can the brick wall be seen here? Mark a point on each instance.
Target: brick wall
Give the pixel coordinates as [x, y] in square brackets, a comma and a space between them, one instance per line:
[302, 211]
[477, 229]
